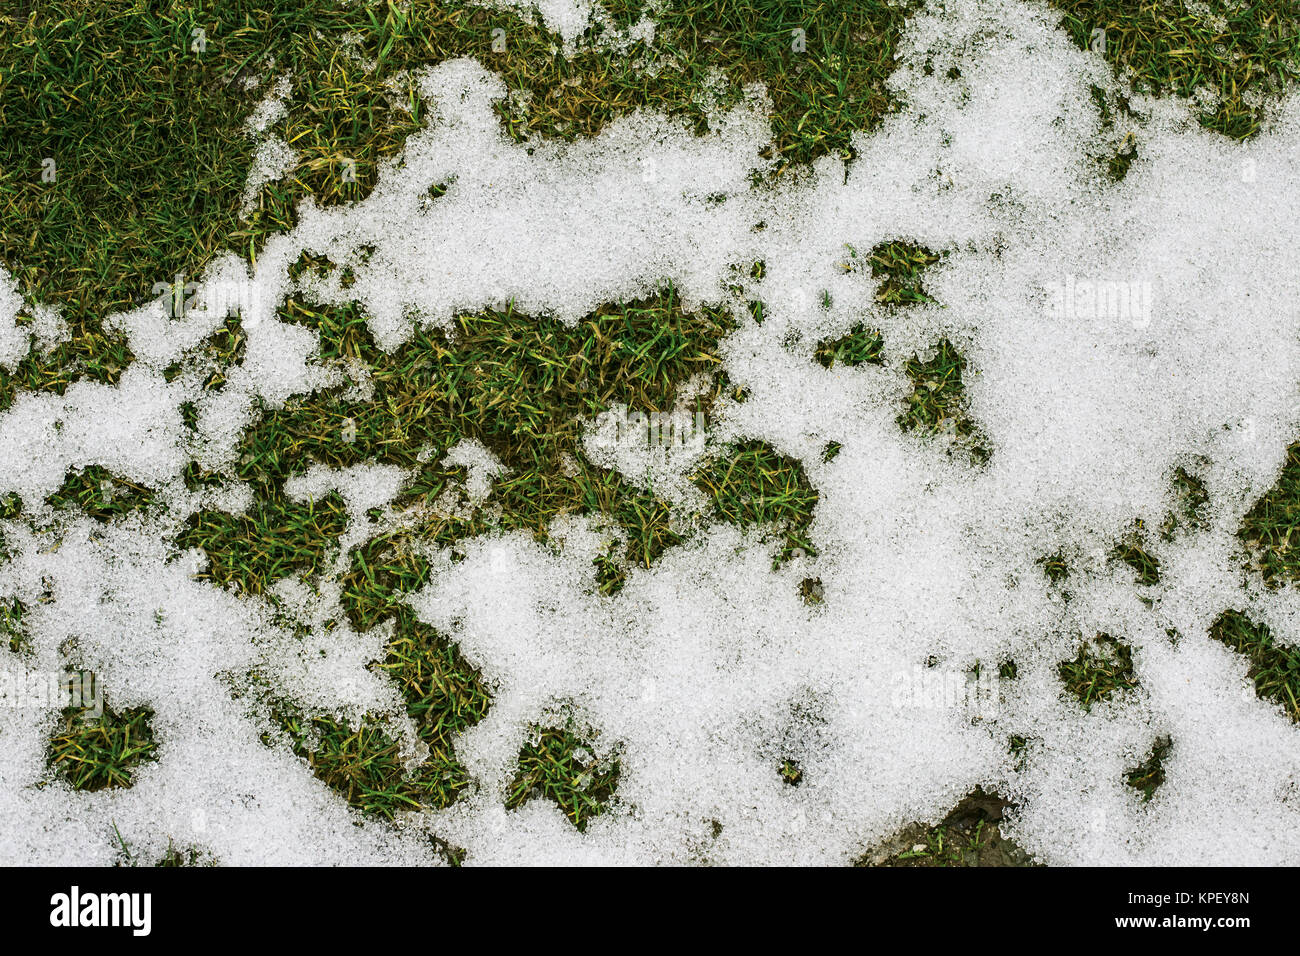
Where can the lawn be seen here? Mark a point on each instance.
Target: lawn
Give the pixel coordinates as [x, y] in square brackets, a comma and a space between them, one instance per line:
[375, 536]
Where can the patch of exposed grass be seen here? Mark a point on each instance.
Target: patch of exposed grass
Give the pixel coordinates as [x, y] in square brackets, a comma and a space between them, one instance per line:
[860, 346]
[938, 404]
[444, 695]
[970, 835]
[1120, 151]
[100, 494]
[753, 484]
[1271, 529]
[92, 356]
[1118, 165]
[12, 631]
[1149, 775]
[1055, 566]
[791, 773]
[1134, 552]
[365, 764]
[1274, 667]
[99, 752]
[897, 266]
[821, 96]
[382, 570]
[143, 122]
[173, 856]
[521, 385]
[1190, 501]
[812, 591]
[646, 523]
[560, 765]
[1103, 667]
[1018, 748]
[1242, 51]
[147, 165]
[274, 539]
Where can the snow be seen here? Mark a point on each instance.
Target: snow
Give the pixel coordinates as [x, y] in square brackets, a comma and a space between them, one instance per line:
[707, 670]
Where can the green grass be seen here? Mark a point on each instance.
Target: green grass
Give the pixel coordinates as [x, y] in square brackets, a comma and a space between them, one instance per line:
[1121, 150]
[942, 846]
[1148, 776]
[559, 765]
[524, 387]
[1186, 515]
[897, 265]
[101, 752]
[364, 765]
[753, 484]
[1190, 501]
[443, 695]
[1274, 667]
[516, 383]
[1172, 48]
[1055, 566]
[381, 570]
[1117, 166]
[860, 346]
[938, 405]
[101, 494]
[91, 356]
[1103, 667]
[275, 539]
[12, 631]
[173, 856]
[1018, 748]
[812, 591]
[969, 835]
[647, 523]
[1271, 529]
[1134, 552]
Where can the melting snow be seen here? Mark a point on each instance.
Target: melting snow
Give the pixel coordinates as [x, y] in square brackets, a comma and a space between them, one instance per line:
[1178, 342]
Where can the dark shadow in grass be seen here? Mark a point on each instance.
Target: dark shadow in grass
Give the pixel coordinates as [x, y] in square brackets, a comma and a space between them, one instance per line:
[1148, 776]
[969, 835]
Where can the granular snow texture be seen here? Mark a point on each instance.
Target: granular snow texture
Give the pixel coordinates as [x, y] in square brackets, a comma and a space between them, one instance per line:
[1112, 333]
